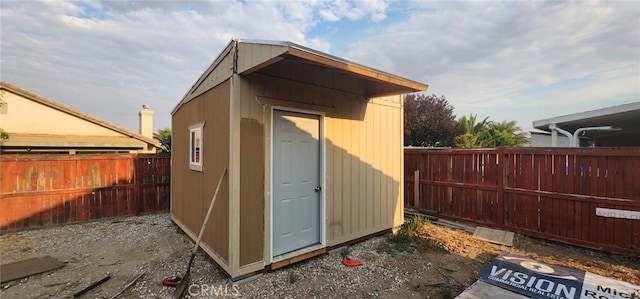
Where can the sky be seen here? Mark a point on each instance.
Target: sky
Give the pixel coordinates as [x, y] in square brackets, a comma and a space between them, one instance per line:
[505, 60]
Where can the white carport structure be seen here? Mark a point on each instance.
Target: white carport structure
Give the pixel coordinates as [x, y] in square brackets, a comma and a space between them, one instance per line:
[612, 127]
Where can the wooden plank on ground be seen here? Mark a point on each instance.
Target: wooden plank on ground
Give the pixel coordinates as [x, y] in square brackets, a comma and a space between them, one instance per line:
[497, 236]
[28, 267]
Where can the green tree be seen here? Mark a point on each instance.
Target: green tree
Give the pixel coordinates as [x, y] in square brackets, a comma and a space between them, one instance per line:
[428, 121]
[3, 135]
[505, 133]
[474, 133]
[164, 135]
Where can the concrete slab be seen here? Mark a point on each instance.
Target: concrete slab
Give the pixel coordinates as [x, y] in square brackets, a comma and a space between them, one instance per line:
[492, 235]
[483, 290]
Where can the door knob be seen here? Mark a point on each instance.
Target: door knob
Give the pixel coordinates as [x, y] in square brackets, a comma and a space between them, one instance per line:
[318, 189]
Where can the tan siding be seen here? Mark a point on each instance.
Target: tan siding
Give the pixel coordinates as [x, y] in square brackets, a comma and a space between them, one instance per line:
[366, 168]
[251, 191]
[349, 187]
[251, 55]
[215, 75]
[253, 157]
[191, 190]
[363, 164]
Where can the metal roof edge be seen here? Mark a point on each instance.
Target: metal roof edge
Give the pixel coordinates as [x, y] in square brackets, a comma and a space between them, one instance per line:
[293, 45]
[355, 64]
[540, 124]
[204, 74]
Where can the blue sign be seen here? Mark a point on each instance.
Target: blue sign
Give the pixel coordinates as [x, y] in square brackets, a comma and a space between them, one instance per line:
[539, 280]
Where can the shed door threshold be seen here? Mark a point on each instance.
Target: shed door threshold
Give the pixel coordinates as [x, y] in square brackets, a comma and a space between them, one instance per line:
[295, 253]
[296, 256]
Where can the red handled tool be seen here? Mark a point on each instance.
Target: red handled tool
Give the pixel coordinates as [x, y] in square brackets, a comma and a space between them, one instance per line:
[171, 281]
[351, 263]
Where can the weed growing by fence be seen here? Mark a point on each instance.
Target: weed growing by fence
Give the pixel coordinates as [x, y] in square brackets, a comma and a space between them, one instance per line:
[408, 239]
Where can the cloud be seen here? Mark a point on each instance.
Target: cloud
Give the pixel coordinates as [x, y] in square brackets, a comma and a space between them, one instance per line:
[335, 10]
[487, 57]
[113, 56]
[499, 59]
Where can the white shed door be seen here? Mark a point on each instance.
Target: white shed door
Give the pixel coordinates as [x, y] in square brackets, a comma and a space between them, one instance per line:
[296, 181]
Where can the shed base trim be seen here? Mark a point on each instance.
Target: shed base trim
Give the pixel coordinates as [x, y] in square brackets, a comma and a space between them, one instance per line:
[217, 259]
[297, 258]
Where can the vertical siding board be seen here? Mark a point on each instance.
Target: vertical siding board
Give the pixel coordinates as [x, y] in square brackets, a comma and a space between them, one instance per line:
[338, 156]
[351, 212]
[396, 180]
[360, 166]
[371, 137]
[330, 197]
[385, 169]
[336, 183]
[356, 204]
[395, 201]
[376, 174]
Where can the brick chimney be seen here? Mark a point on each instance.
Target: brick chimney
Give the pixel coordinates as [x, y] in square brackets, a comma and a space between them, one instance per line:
[146, 121]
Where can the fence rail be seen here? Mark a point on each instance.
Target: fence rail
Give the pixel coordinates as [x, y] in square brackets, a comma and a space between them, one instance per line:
[560, 194]
[41, 190]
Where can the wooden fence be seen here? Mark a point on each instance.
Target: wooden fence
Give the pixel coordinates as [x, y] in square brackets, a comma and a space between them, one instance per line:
[41, 190]
[583, 196]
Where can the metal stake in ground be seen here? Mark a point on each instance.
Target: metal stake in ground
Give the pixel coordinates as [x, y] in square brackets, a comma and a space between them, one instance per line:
[90, 287]
[128, 285]
[187, 276]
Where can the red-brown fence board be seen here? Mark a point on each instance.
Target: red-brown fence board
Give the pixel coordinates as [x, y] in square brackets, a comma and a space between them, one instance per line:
[550, 193]
[40, 190]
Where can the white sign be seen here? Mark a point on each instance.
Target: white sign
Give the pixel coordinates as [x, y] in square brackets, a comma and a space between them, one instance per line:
[535, 279]
[635, 215]
[596, 286]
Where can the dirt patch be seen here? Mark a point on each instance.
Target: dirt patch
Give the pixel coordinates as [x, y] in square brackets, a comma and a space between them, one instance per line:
[153, 245]
[475, 254]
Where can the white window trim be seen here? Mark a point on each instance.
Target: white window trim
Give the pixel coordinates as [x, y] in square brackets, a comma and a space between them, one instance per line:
[193, 128]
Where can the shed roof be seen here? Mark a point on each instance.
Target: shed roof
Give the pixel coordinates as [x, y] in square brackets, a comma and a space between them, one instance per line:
[400, 84]
[379, 83]
[626, 117]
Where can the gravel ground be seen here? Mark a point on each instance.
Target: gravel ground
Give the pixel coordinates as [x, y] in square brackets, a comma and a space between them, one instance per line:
[152, 244]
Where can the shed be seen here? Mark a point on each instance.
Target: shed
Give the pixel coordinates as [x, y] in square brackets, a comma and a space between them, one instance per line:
[314, 148]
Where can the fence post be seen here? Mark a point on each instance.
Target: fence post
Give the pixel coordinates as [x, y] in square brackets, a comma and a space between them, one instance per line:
[137, 186]
[416, 188]
[499, 208]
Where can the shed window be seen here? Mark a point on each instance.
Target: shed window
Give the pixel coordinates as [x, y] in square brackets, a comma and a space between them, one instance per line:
[195, 147]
